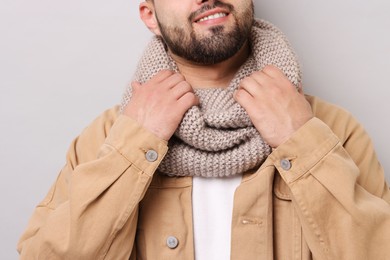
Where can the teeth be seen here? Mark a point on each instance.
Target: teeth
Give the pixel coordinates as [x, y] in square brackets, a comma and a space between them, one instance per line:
[213, 16]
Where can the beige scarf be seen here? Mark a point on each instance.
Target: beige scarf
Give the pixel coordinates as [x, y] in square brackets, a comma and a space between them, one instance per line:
[217, 138]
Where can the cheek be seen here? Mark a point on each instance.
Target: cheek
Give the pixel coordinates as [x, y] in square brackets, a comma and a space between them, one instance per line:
[172, 21]
[246, 8]
[173, 13]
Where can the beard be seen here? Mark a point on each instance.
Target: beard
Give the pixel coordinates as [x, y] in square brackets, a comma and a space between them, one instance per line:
[219, 46]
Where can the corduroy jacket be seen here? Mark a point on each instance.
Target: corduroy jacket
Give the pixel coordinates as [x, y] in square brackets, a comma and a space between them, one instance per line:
[320, 195]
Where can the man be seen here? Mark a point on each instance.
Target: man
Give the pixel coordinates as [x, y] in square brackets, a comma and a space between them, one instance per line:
[215, 153]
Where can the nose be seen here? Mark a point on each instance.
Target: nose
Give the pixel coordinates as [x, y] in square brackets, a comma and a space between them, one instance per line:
[201, 1]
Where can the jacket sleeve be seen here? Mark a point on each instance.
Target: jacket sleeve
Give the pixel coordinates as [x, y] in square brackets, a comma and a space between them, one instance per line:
[338, 189]
[91, 210]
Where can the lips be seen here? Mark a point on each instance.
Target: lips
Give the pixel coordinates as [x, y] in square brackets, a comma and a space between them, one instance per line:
[210, 15]
[213, 16]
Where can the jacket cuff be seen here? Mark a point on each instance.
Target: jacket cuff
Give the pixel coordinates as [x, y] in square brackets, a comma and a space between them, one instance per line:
[305, 148]
[139, 146]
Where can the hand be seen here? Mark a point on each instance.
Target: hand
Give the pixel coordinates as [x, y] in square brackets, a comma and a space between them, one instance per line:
[160, 104]
[273, 104]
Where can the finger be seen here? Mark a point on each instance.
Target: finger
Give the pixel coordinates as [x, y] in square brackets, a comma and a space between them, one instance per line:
[187, 101]
[262, 78]
[172, 80]
[243, 98]
[278, 78]
[273, 71]
[181, 89]
[251, 86]
[161, 76]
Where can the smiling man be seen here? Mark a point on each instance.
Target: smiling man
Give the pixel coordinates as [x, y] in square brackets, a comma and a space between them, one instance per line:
[215, 153]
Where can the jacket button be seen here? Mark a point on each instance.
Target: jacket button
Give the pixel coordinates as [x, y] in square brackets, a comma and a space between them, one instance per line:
[172, 242]
[151, 156]
[285, 164]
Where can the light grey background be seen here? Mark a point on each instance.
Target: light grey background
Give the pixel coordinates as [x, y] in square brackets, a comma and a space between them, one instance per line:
[63, 62]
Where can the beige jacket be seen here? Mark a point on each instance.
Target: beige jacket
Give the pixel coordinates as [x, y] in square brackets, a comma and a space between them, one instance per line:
[320, 195]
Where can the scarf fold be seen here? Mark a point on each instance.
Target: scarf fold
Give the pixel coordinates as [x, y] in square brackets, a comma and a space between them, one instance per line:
[217, 138]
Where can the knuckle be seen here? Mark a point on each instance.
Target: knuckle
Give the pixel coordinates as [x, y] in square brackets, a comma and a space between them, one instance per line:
[245, 81]
[183, 87]
[258, 73]
[186, 86]
[179, 76]
[164, 73]
[249, 81]
[238, 93]
[190, 98]
[269, 67]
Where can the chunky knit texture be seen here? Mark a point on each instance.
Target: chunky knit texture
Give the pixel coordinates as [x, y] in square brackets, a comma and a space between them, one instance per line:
[217, 138]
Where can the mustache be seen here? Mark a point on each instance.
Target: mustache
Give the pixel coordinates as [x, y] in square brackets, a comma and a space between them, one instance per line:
[208, 7]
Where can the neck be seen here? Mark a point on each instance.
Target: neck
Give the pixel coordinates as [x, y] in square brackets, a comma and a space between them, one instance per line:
[215, 75]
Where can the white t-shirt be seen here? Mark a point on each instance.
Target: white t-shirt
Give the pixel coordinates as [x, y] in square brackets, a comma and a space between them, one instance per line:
[212, 200]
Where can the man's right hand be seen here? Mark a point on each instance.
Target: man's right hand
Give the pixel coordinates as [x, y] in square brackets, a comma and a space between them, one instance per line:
[160, 104]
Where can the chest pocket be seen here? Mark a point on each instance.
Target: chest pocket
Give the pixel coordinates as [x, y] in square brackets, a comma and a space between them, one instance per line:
[289, 242]
[164, 229]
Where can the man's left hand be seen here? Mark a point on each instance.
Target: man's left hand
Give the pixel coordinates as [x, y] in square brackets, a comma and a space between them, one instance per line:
[275, 106]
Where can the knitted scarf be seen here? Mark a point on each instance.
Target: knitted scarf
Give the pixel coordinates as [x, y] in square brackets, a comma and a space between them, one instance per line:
[217, 138]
